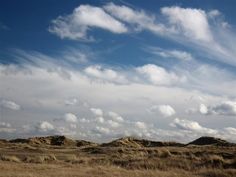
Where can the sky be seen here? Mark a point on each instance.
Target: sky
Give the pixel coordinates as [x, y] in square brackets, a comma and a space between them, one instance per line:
[100, 70]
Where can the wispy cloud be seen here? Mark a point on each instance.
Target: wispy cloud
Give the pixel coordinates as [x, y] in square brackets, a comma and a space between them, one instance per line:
[192, 126]
[10, 105]
[175, 54]
[201, 30]
[76, 25]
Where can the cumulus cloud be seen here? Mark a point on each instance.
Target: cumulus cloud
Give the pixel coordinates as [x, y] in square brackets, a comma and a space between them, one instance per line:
[97, 112]
[164, 110]
[105, 74]
[115, 116]
[140, 125]
[189, 125]
[128, 99]
[44, 127]
[102, 130]
[6, 128]
[65, 131]
[5, 125]
[71, 118]
[71, 102]
[176, 54]
[76, 25]
[159, 76]
[10, 105]
[100, 120]
[84, 120]
[203, 109]
[192, 23]
[113, 124]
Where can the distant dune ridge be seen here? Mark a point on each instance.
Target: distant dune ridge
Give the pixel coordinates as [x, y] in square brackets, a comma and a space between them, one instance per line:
[137, 143]
[205, 140]
[56, 140]
[129, 142]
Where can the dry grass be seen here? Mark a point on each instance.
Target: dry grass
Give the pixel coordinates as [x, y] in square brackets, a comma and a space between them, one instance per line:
[61, 170]
[102, 161]
[40, 159]
[9, 158]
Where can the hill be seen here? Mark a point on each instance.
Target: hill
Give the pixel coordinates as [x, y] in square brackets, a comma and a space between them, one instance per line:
[53, 141]
[206, 140]
[139, 143]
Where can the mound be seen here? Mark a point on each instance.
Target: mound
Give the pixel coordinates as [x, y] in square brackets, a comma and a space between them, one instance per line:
[148, 143]
[205, 140]
[137, 143]
[128, 142]
[19, 140]
[52, 140]
[80, 143]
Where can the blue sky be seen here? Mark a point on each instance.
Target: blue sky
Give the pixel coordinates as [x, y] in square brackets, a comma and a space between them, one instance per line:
[99, 70]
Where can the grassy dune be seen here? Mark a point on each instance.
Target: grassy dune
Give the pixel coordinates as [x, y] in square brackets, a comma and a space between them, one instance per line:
[116, 159]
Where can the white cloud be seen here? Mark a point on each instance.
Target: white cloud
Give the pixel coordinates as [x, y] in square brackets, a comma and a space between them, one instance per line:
[194, 29]
[139, 18]
[84, 120]
[115, 116]
[177, 54]
[84, 17]
[140, 125]
[6, 128]
[45, 89]
[191, 27]
[44, 127]
[164, 110]
[76, 56]
[105, 74]
[192, 23]
[159, 76]
[189, 125]
[10, 105]
[230, 130]
[113, 124]
[213, 13]
[97, 112]
[71, 102]
[71, 118]
[100, 119]
[203, 109]
[102, 130]
[65, 131]
[5, 125]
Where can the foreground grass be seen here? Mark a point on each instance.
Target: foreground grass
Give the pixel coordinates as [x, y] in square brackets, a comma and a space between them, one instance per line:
[22, 160]
[11, 169]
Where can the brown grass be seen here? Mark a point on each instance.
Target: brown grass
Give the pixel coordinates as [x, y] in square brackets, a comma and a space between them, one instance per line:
[104, 161]
[9, 158]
